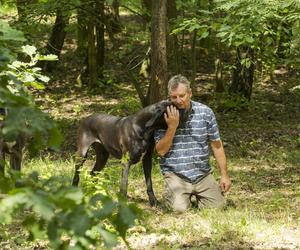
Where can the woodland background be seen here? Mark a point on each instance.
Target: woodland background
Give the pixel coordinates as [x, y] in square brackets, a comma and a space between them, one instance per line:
[63, 60]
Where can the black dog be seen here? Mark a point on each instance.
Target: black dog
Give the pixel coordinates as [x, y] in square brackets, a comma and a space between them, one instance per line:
[116, 136]
[14, 149]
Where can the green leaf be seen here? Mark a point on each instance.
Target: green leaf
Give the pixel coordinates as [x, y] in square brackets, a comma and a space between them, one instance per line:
[204, 35]
[109, 238]
[55, 138]
[42, 206]
[43, 78]
[50, 57]
[79, 221]
[7, 33]
[35, 85]
[29, 50]
[125, 218]
[74, 194]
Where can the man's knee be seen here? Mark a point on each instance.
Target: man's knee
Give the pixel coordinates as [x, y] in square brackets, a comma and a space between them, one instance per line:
[177, 204]
[216, 202]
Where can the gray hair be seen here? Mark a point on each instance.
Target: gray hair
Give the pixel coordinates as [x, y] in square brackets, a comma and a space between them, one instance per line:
[176, 80]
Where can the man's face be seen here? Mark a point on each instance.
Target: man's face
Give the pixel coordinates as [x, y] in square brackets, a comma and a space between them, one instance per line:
[181, 97]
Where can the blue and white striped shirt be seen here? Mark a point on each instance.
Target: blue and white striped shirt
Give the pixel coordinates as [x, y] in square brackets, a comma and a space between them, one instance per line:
[188, 156]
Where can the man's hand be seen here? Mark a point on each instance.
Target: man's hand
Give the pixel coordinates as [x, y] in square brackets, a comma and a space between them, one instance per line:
[172, 117]
[225, 183]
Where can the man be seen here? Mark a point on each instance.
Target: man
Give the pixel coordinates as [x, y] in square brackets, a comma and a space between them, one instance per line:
[184, 152]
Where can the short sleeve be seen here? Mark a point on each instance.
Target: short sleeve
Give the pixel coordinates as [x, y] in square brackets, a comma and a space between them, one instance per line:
[212, 126]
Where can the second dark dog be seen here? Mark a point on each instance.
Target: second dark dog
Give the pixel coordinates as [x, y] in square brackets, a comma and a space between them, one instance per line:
[116, 136]
[13, 149]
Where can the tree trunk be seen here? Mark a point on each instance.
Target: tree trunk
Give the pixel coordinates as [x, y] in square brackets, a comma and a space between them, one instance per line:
[81, 32]
[242, 78]
[116, 25]
[159, 73]
[193, 57]
[100, 37]
[58, 34]
[57, 38]
[219, 75]
[172, 41]
[116, 5]
[92, 55]
[147, 5]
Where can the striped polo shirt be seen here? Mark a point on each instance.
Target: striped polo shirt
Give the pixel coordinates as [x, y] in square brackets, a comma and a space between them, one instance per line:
[188, 156]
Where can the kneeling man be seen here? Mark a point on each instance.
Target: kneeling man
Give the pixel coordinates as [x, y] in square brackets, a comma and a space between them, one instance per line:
[184, 152]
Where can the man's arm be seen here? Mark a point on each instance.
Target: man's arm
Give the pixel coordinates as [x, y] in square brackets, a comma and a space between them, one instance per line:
[218, 151]
[172, 119]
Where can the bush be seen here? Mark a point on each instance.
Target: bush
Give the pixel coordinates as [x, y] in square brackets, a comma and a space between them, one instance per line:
[51, 209]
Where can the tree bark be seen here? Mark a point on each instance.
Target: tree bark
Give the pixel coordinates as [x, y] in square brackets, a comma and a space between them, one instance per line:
[219, 75]
[92, 55]
[147, 4]
[159, 73]
[172, 40]
[92, 45]
[57, 37]
[100, 37]
[193, 57]
[81, 31]
[58, 34]
[242, 77]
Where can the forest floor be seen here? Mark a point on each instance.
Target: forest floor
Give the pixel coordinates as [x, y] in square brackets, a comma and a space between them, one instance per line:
[262, 143]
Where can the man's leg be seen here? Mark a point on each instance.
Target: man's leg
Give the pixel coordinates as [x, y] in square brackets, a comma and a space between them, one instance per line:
[208, 193]
[177, 192]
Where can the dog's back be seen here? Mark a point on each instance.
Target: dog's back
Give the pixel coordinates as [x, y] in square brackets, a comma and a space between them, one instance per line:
[99, 128]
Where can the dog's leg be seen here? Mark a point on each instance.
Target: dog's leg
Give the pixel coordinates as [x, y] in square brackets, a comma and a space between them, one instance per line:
[124, 179]
[84, 141]
[17, 154]
[147, 166]
[79, 160]
[101, 158]
[2, 157]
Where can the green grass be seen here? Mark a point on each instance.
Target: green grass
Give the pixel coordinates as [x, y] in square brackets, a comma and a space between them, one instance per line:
[261, 143]
[261, 213]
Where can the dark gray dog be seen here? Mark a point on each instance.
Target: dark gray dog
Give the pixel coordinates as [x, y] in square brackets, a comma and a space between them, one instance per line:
[14, 149]
[116, 136]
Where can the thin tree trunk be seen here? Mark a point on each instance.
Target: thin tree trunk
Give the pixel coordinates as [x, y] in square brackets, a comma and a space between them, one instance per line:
[159, 74]
[147, 4]
[193, 57]
[58, 34]
[219, 75]
[172, 40]
[57, 38]
[92, 53]
[81, 31]
[116, 25]
[100, 38]
[242, 77]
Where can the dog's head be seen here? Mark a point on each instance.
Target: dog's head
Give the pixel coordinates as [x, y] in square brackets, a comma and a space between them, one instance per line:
[156, 114]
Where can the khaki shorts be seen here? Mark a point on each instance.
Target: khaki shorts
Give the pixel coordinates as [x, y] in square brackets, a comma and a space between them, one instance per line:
[178, 192]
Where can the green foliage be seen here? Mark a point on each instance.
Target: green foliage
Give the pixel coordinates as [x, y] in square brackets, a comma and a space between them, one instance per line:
[9, 40]
[50, 209]
[261, 25]
[231, 102]
[17, 79]
[270, 28]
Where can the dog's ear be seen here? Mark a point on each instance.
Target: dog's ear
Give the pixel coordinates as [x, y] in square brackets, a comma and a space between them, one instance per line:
[153, 119]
